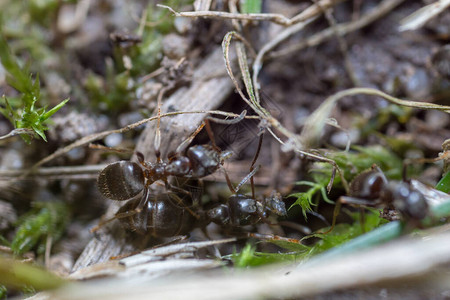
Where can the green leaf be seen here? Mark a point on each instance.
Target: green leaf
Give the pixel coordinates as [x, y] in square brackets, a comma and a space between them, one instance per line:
[16, 274]
[444, 184]
[29, 116]
[305, 200]
[249, 257]
[50, 113]
[251, 6]
[45, 219]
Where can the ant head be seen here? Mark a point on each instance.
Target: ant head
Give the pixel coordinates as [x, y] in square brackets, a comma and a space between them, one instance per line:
[275, 204]
[408, 201]
[368, 184]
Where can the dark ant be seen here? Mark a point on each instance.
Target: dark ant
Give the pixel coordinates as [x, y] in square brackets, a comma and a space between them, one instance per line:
[124, 40]
[371, 188]
[169, 214]
[125, 180]
[241, 210]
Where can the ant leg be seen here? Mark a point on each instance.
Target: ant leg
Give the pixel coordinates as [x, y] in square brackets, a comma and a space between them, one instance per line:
[189, 139]
[383, 176]
[246, 178]
[337, 209]
[143, 201]
[211, 134]
[348, 200]
[250, 175]
[300, 228]
[255, 158]
[233, 189]
[182, 204]
[362, 219]
[141, 159]
[271, 237]
[101, 224]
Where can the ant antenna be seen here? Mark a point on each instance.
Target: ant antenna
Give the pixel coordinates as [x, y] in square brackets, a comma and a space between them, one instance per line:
[246, 178]
[252, 183]
[211, 134]
[157, 143]
[189, 139]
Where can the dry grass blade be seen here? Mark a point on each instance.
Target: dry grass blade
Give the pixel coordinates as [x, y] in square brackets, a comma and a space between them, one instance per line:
[423, 15]
[17, 131]
[313, 129]
[294, 142]
[97, 136]
[398, 262]
[311, 11]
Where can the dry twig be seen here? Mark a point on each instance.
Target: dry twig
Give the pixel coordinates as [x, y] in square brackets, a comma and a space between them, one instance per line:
[308, 13]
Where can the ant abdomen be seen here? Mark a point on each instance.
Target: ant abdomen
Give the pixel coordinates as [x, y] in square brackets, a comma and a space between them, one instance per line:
[161, 216]
[121, 180]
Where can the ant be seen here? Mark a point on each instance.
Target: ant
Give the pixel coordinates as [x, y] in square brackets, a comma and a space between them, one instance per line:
[124, 180]
[241, 210]
[371, 188]
[168, 214]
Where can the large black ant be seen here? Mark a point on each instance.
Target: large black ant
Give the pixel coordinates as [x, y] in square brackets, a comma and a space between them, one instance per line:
[169, 214]
[240, 209]
[410, 198]
[125, 180]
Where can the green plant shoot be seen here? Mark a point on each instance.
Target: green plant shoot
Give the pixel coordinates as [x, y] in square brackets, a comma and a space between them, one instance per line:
[45, 220]
[29, 115]
[251, 6]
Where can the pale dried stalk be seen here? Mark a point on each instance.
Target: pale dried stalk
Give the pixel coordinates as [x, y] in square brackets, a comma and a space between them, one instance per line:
[294, 141]
[309, 12]
[420, 258]
[423, 15]
[17, 131]
[58, 172]
[314, 124]
[97, 136]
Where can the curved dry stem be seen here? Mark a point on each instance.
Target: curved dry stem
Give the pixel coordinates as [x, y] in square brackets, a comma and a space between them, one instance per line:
[18, 131]
[309, 12]
[97, 136]
[314, 124]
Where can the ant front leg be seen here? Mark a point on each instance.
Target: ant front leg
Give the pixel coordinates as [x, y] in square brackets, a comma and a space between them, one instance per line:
[346, 200]
[273, 238]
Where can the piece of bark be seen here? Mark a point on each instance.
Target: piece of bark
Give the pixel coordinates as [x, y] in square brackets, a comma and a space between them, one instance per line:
[206, 92]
